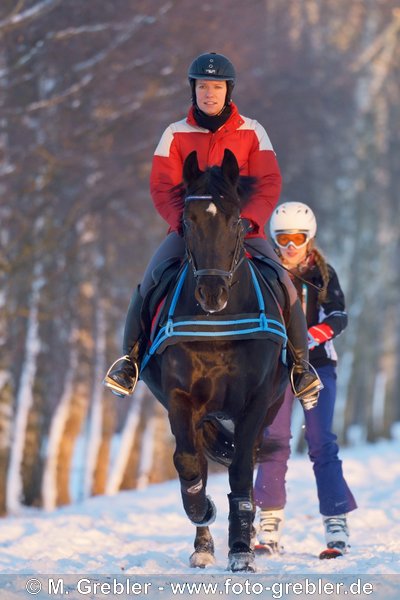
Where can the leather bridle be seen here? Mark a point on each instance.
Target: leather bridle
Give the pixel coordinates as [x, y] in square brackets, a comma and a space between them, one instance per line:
[238, 254]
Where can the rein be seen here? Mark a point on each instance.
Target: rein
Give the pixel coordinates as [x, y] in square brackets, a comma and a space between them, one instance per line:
[236, 260]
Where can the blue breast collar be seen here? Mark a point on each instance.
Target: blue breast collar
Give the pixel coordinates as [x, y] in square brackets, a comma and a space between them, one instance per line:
[212, 328]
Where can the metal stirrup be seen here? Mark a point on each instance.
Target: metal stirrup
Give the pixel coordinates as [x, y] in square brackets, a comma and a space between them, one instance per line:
[114, 386]
[313, 390]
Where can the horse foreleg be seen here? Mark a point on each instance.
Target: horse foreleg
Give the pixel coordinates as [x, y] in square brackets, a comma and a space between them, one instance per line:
[241, 505]
[189, 464]
[203, 555]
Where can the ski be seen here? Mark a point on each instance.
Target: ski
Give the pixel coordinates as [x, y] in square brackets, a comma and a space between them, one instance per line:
[267, 549]
[331, 553]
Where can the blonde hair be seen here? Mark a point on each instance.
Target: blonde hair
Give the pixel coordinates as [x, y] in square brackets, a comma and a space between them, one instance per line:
[322, 265]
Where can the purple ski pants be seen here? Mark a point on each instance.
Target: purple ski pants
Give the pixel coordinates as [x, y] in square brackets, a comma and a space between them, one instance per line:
[334, 494]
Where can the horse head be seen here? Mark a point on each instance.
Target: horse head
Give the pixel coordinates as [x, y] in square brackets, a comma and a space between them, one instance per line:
[213, 228]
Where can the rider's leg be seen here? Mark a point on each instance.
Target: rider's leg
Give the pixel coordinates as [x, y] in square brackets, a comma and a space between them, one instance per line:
[270, 483]
[334, 494]
[123, 374]
[305, 382]
[269, 486]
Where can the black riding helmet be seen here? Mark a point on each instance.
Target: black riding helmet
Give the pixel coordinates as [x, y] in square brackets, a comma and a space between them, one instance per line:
[212, 66]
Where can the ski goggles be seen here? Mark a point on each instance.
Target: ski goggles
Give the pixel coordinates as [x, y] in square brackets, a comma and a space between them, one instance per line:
[298, 239]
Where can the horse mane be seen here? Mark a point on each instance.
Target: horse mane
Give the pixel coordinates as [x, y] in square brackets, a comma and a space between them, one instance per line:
[226, 196]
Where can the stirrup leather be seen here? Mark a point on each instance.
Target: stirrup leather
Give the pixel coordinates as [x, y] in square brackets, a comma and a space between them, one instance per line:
[113, 385]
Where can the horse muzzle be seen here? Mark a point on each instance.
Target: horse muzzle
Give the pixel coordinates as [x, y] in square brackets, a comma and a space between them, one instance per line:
[212, 293]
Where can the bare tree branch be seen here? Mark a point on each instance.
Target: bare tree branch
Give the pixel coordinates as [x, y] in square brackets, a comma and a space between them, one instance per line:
[19, 19]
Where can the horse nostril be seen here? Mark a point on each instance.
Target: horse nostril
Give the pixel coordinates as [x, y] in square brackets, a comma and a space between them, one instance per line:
[200, 292]
[223, 296]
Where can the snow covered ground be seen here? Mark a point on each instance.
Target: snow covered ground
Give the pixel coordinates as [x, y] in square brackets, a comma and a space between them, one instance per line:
[146, 536]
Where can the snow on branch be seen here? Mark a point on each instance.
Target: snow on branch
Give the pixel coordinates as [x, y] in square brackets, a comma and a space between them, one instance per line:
[378, 44]
[35, 11]
[119, 40]
[57, 99]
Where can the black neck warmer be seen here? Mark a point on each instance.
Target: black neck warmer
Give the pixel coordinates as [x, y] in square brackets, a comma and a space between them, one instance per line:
[212, 122]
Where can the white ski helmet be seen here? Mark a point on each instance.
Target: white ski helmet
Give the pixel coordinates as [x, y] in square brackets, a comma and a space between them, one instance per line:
[293, 217]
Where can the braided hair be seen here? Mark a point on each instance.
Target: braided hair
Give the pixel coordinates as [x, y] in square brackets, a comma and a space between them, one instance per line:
[320, 261]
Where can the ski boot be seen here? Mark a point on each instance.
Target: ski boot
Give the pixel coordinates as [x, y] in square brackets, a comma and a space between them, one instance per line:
[270, 531]
[336, 536]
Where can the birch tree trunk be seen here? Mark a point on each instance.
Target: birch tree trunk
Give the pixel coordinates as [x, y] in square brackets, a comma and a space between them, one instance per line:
[128, 437]
[57, 428]
[24, 399]
[146, 457]
[73, 426]
[6, 415]
[104, 452]
[6, 383]
[95, 423]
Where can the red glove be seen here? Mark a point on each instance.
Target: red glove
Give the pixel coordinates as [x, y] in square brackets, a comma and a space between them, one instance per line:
[318, 334]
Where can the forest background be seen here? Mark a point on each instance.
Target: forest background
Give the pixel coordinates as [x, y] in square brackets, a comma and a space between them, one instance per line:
[86, 90]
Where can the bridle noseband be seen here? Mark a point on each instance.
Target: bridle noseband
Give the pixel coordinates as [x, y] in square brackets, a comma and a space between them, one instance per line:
[238, 254]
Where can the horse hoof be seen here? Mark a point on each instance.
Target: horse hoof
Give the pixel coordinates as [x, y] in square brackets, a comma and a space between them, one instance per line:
[242, 562]
[202, 560]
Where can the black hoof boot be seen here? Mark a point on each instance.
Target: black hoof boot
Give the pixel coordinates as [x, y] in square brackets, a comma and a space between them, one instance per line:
[241, 517]
[199, 508]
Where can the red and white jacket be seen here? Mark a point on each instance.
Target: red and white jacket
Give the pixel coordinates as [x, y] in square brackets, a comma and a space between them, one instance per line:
[245, 137]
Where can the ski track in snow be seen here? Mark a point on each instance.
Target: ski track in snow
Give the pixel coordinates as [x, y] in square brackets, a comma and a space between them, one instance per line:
[146, 532]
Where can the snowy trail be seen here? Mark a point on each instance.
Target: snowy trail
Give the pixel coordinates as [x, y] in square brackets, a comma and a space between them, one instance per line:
[146, 532]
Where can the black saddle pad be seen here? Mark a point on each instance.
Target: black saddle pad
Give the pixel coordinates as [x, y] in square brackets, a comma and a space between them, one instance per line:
[164, 276]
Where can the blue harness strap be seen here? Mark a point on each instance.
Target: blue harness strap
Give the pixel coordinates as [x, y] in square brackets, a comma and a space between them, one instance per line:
[196, 328]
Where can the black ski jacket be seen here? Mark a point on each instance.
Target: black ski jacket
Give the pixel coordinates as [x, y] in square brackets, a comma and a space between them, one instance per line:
[332, 311]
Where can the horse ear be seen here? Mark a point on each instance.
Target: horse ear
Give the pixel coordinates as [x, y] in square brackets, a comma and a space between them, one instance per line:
[191, 170]
[230, 167]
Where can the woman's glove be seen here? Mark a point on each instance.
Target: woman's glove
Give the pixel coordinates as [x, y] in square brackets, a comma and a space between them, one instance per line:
[319, 334]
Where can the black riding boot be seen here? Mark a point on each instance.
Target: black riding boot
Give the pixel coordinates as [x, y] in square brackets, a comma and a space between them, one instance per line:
[123, 374]
[306, 384]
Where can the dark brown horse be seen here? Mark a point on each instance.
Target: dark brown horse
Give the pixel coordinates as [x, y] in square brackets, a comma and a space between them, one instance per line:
[230, 374]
